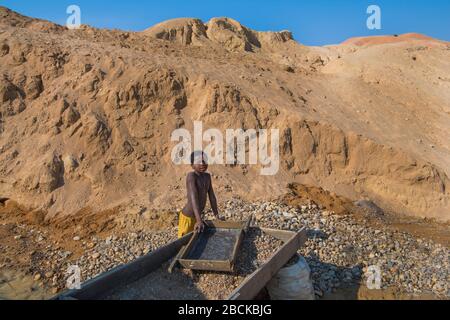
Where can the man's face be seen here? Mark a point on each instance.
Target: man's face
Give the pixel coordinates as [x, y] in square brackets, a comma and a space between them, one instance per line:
[200, 165]
[201, 168]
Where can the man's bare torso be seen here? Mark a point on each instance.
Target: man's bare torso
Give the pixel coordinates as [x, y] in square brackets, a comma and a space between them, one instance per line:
[198, 187]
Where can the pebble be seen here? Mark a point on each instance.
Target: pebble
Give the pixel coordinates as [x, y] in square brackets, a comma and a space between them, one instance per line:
[96, 255]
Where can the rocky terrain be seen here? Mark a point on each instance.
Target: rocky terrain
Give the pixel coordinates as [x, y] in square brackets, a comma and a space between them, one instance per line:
[339, 250]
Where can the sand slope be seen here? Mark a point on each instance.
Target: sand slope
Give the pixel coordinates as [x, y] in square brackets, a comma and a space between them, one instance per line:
[86, 115]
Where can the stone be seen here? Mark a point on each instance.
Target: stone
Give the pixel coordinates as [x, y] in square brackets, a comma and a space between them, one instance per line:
[259, 216]
[96, 255]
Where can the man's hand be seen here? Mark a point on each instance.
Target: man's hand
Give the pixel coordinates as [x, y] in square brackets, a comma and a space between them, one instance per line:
[199, 227]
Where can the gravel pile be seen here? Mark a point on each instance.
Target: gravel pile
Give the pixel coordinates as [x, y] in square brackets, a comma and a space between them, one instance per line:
[340, 249]
[50, 265]
[257, 247]
[116, 251]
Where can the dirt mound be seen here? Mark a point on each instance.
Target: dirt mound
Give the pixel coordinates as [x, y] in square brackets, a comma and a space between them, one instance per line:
[301, 195]
[14, 19]
[86, 115]
[225, 32]
[185, 31]
[83, 224]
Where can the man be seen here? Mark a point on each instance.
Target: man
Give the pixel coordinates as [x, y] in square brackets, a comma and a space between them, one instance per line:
[199, 187]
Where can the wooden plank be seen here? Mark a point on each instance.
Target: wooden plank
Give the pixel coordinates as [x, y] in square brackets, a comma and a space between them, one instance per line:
[218, 224]
[248, 224]
[258, 280]
[125, 274]
[189, 246]
[237, 245]
[176, 259]
[282, 235]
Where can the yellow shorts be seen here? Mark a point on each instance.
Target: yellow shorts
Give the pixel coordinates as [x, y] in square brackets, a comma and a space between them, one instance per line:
[185, 225]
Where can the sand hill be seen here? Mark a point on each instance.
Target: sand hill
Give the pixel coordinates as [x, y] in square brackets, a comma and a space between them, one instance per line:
[86, 115]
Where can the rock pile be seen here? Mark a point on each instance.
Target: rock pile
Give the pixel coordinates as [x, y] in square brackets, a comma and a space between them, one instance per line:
[340, 249]
[51, 264]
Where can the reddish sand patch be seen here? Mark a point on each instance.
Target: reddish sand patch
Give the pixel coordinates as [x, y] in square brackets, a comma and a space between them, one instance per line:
[378, 40]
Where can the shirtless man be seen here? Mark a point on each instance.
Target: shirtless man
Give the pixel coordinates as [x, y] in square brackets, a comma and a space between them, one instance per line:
[199, 187]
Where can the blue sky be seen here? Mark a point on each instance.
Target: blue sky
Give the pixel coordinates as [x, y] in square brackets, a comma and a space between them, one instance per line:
[313, 22]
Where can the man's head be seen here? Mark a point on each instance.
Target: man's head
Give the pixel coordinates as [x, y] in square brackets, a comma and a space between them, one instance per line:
[199, 161]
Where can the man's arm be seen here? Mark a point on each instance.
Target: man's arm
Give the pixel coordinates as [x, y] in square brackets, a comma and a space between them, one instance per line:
[193, 196]
[213, 199]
